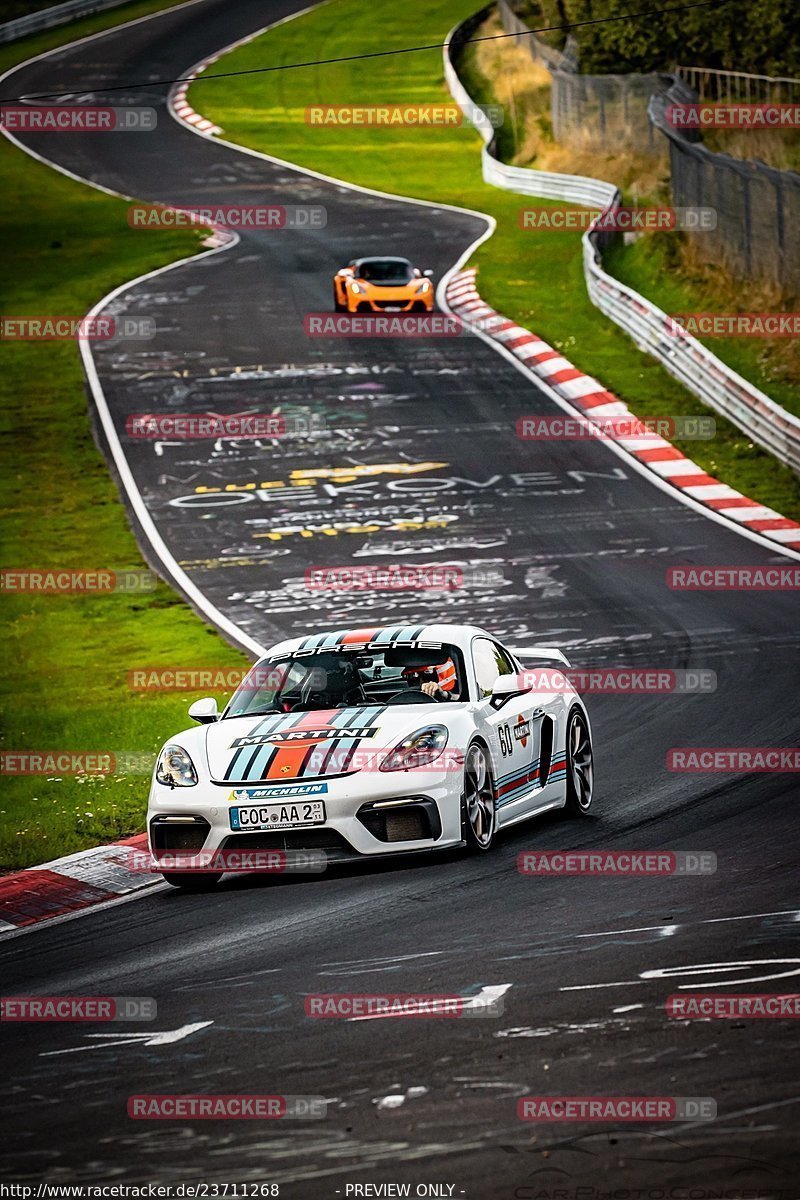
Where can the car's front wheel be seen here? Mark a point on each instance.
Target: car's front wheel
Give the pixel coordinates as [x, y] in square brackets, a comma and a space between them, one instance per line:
[479, 819]
[337, 304]
[580, 765]
[193, 881]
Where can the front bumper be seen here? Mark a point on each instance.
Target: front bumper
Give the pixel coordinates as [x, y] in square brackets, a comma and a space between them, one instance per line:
[393, 812]
[386, 301]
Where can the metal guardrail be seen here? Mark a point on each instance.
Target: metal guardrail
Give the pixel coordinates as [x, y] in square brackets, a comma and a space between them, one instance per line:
[48, 18]
[739, 86]
[715, 383]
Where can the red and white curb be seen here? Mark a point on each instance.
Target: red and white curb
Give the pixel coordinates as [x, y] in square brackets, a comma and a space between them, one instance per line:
[67, 885]
[182, 109]
[594, 401]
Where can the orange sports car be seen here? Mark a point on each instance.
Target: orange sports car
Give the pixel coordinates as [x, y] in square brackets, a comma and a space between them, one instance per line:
[382, 285]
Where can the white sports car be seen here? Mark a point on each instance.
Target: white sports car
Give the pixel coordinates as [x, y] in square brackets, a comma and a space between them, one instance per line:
[325, 747]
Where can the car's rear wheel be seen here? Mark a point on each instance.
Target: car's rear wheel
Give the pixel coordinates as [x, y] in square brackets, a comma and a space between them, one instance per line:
[193, 881]
[479, 819]
[580, 765]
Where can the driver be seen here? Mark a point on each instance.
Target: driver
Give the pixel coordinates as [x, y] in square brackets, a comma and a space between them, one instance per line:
[438, 682]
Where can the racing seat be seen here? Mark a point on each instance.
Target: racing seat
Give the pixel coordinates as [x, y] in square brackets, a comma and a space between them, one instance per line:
[337, 686]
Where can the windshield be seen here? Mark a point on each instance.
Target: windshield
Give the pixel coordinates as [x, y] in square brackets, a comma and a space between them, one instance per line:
[341, 679]
[385, 270]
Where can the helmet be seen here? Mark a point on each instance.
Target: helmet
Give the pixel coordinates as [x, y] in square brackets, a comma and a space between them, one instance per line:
[442, 673]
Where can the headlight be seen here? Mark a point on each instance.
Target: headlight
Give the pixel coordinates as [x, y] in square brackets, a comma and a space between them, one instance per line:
[357, 288]
[422, 287]
[417, 750]
[175, 768]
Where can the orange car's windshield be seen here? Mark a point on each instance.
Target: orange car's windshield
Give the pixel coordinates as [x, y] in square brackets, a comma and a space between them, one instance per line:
[385, 270]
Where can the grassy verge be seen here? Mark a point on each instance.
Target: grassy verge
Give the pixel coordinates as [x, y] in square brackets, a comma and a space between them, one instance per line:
[65, 246]
[533, 276]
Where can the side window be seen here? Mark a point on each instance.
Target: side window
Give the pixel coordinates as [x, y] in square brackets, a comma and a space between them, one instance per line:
[490, 661]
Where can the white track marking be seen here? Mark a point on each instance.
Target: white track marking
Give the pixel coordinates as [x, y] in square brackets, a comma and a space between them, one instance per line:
[715, 968]
[786, 912]
[166, 1038]
[721, 968]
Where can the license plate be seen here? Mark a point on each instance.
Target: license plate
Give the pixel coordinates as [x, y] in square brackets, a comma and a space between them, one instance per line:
[277, 816]
[393, 308]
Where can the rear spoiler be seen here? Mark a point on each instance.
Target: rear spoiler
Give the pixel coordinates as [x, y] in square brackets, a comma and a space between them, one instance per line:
[548, 654]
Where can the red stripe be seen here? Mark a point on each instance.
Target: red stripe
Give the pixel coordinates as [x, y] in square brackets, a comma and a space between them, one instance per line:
[659, 454]
[732, 502]
[314, 719]
[595, 398]
[684, 481]
[354, 636]
[773, 523]
[565, 375]
[32, 896]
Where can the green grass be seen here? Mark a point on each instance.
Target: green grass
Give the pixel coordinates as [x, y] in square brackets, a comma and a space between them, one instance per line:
[533, 277]
[651, 265]
[65, 246]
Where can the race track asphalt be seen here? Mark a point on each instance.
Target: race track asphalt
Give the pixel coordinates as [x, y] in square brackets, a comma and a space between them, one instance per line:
[584, 542]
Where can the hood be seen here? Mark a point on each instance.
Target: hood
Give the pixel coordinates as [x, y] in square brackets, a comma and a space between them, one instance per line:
[310, 745]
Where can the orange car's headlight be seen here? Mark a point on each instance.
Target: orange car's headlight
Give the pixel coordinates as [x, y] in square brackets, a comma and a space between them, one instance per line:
[358, 289]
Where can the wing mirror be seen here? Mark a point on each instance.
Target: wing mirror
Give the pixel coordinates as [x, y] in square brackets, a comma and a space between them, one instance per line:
[204, 711]
[506, 687]
[346, 272]
[428, 274]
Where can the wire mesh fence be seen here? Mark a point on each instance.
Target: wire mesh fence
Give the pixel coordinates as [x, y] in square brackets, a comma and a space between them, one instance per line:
[757, 235]
[606, 111]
